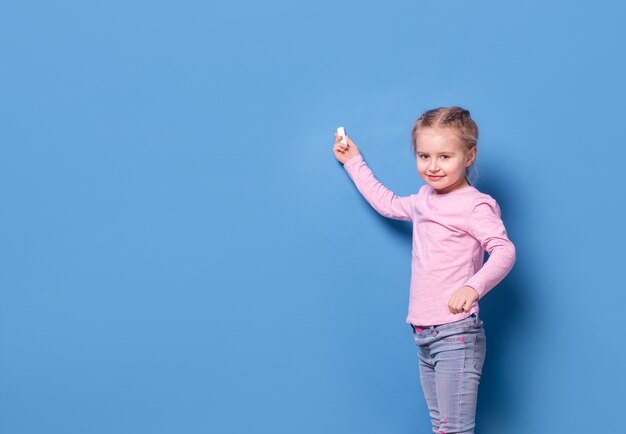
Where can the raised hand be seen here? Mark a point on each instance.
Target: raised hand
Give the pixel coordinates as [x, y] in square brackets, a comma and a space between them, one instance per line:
[344, 152]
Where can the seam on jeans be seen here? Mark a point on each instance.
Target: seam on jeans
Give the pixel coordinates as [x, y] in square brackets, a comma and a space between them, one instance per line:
[458, 408]
[476, 352]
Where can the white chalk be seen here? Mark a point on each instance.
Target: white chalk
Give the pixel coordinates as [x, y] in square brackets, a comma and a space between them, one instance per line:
[342, 132]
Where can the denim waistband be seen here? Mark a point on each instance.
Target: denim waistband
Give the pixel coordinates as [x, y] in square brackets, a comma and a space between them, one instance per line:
[436, 326]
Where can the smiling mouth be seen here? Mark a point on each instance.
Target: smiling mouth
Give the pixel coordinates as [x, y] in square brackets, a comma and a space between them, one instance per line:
[435, 177]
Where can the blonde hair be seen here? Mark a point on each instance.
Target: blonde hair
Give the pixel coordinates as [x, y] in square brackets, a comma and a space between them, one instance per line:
[456, 119]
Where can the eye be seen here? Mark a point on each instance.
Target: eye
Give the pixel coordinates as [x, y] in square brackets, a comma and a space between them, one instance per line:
[423, 156]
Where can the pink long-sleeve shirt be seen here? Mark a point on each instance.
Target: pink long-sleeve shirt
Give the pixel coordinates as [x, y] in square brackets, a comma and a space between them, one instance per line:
[451, 231]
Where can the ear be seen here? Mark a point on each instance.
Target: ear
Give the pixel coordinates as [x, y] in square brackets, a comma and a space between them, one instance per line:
[471, 155]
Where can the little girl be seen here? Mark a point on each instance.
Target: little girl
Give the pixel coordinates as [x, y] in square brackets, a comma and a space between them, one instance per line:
[453, 223]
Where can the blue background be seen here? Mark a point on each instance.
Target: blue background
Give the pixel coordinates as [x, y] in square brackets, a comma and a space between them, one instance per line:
[182, 253]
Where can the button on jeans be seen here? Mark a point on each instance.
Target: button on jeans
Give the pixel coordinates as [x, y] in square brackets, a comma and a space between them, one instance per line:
[451, 358]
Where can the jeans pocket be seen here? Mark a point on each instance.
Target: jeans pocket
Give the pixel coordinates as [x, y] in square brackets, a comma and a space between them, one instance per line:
[454, 338]
[457, 333]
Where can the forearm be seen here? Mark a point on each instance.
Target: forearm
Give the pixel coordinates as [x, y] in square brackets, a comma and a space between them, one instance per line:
[383, 200]
[494, 270]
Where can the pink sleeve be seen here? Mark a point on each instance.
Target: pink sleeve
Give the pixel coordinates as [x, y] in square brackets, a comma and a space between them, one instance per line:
[380, 197]
[487, 227]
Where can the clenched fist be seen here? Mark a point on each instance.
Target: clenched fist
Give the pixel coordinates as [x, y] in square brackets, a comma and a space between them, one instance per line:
[462, 300]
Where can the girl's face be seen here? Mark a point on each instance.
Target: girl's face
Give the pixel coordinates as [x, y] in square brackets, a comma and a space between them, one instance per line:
[441, 161]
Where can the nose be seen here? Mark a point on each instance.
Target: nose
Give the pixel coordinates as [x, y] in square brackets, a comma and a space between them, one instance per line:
[433, 166]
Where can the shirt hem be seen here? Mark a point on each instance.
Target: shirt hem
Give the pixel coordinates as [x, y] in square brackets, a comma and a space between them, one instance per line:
[414, 321]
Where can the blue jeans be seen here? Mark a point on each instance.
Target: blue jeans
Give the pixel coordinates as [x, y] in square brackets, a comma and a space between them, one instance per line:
[451, 358]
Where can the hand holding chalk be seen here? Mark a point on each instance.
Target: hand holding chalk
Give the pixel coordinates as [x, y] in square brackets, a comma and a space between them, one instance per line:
[344, 148]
